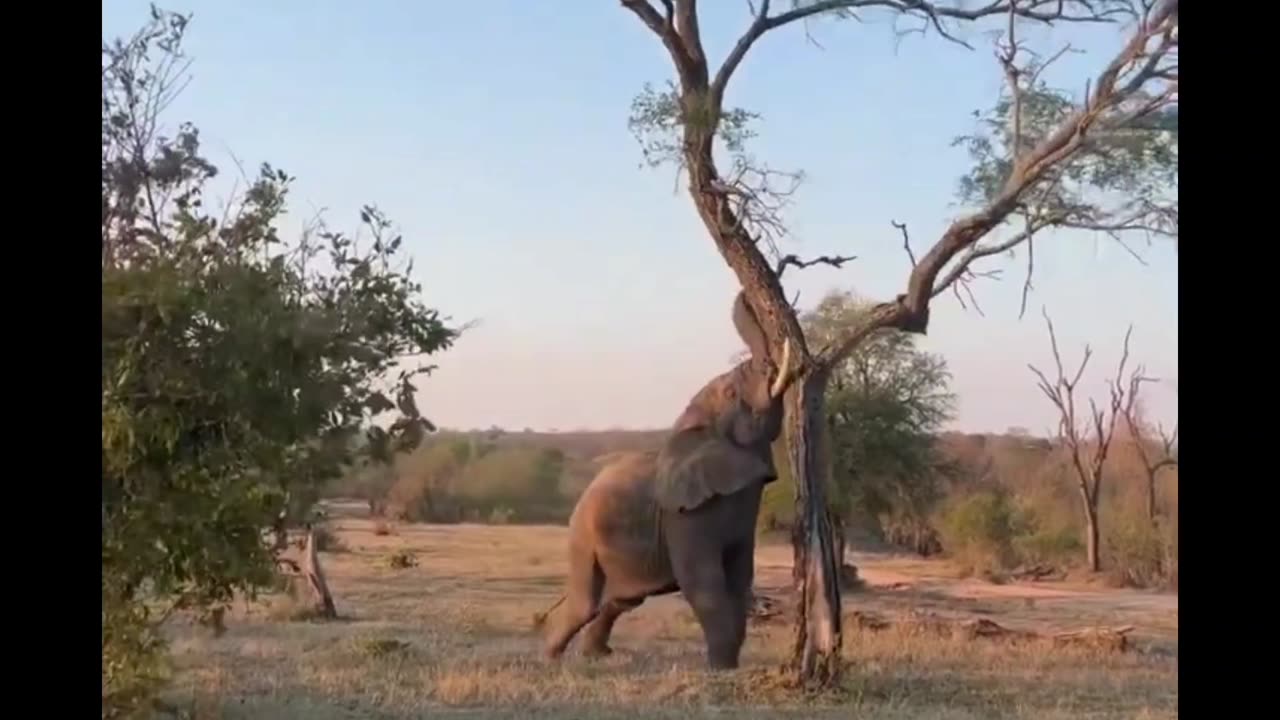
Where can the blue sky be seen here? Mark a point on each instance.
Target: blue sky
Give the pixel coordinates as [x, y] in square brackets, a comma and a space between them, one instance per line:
[494, 135]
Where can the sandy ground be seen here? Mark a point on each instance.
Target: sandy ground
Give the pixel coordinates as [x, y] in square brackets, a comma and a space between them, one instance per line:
[451, 637]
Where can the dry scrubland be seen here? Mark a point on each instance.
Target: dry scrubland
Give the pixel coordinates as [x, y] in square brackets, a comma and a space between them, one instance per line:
[451, 637]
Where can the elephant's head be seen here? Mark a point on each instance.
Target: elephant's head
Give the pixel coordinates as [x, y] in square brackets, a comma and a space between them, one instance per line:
[721, 442]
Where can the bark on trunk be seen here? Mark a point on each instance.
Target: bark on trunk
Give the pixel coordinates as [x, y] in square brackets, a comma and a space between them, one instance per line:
[838, 535]
[1151, 498]
[816, 655]
[797, 539]
[1091, 532]
[313, 575]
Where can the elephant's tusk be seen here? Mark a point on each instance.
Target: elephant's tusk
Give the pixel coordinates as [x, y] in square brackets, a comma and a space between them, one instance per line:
[783, 370]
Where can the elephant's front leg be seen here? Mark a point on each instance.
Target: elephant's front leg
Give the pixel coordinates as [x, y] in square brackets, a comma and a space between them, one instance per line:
[739, 568]
[699, 568]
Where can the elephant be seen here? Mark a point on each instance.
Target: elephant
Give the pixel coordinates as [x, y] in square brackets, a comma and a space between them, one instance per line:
[681, 518]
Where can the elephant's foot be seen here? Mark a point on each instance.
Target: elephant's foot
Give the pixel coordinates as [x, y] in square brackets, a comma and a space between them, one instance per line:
[722, 658]
[722, 663]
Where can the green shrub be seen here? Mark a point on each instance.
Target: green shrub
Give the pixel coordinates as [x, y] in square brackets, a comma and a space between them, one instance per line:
[977, 532]
[134, 664]
[1052, 547]
[237, 370]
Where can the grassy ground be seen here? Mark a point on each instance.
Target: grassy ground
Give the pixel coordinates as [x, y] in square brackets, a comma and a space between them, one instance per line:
[451, 637]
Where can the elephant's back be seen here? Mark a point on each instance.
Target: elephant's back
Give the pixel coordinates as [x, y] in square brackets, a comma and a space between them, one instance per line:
[625, 481]
[617, 508]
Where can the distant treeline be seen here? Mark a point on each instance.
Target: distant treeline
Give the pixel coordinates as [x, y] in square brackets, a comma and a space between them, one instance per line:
[1000, 502]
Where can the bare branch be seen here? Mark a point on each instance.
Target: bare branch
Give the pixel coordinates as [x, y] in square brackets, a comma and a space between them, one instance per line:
[686, 27]
[835, 261]
[739, 51]
[757, 196]
[906, 240]
[664, 28]
[932, 13]
[1138, 431]
[1007, 57]
[1026, 284]
[1088, 454]
[1054, 149]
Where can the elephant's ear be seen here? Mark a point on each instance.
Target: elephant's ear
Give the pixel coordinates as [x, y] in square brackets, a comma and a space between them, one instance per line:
[696, 465]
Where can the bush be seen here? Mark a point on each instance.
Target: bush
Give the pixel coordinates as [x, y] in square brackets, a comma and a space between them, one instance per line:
[422, 482]
[236, 370]
[134, 665]
[501, 515]
[977, 531]
[1136, 554]
[1049, 547]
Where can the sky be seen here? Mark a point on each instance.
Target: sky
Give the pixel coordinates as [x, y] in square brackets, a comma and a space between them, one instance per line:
[496, 140]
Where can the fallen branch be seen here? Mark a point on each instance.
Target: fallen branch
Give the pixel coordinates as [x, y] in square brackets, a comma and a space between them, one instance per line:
[1037, 573]
[1110, 639]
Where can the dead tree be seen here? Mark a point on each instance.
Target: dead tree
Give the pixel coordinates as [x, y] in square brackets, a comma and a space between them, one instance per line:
[1153, 458]
[1088, 448]
[313, 576]
[742, 208]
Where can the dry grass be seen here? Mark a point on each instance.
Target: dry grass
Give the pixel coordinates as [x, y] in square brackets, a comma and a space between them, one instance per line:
[451, 638]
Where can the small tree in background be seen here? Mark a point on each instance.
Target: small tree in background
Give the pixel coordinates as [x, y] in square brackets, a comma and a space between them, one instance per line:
[885, 403]
[1051, 160]
[1086, 441]
[236, 369]
[1157, 448]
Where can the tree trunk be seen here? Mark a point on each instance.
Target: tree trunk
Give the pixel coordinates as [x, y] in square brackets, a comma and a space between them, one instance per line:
[838, 535]
[816, 656]
[313, 575]
[1151, 498]
[797, 541]
[1091, 533]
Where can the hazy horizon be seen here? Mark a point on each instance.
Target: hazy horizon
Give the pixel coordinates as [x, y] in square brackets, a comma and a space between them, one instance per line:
[497, 142]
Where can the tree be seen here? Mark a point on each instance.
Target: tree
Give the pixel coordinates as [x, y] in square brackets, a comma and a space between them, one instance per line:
[1087, 452]
[236, 369]
[1038, 174]
[1154, 457]
[885, 403]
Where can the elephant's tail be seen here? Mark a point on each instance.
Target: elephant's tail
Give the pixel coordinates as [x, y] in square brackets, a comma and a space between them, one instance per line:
[540, 618]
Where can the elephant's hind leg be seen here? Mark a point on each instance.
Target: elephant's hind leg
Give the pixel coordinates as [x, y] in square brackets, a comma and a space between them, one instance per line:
[582, 602]
[596, 640]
